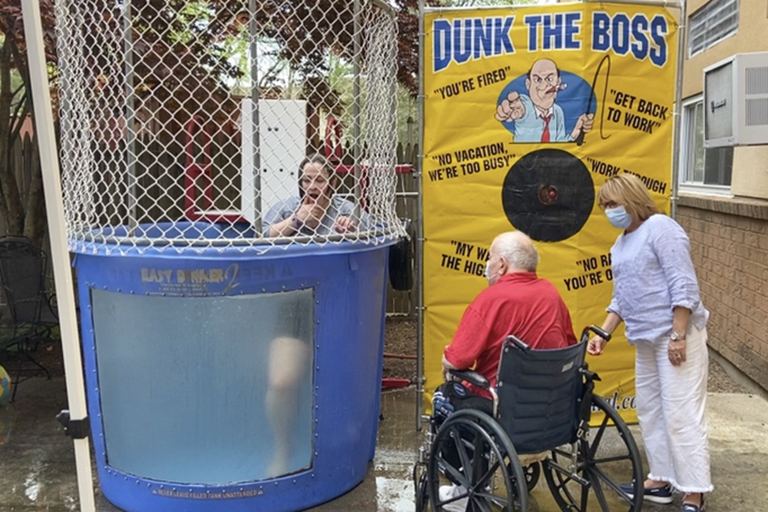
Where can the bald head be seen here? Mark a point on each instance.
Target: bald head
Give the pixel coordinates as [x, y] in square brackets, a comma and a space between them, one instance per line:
[543, 82]
[517, 250]
[543, 67]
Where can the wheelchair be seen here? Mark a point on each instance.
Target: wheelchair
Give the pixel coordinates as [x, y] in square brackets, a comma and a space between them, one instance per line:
[543, 405]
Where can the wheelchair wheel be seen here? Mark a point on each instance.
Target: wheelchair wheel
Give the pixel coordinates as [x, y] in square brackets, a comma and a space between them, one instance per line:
[422, 498]
[606, 460]
[532, 473]
[473, 451]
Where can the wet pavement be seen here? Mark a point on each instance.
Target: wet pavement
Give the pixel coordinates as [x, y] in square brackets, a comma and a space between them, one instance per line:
[37, 469]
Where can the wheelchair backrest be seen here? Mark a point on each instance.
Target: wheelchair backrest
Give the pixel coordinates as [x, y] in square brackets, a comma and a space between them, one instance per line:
[540, 394]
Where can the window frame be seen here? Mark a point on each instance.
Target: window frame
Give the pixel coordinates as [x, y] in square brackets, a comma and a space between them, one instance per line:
[685, 154]
[710, 15]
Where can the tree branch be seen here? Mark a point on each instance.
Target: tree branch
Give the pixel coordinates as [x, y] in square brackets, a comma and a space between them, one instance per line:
[12, 208]
[19, 116]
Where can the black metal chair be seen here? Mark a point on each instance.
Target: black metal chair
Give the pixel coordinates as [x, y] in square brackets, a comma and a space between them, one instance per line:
[543, 402]
[32, 309]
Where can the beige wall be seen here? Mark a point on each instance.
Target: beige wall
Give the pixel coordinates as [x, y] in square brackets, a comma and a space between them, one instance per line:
[729, 248]
[752, 36]
[750, 172]
[729, 236]
[750, 164]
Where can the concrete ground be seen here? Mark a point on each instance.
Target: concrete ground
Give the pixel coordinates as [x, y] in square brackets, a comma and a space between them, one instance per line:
[37, 470]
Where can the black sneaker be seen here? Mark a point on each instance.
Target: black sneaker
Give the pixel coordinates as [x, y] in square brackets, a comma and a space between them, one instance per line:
[657, 495]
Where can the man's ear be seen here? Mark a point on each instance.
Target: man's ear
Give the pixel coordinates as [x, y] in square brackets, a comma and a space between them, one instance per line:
[503, 266]
[528, 83]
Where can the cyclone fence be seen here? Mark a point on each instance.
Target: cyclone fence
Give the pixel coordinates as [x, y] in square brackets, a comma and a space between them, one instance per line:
[184, 123]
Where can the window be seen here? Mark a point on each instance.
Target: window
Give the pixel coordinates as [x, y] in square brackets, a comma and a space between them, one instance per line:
[711, 24]
[702, 169]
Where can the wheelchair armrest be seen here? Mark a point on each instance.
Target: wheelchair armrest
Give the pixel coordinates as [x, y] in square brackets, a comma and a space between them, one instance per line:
[472, 377]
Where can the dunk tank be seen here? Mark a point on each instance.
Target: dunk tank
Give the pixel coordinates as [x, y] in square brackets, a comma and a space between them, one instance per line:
[227, 369]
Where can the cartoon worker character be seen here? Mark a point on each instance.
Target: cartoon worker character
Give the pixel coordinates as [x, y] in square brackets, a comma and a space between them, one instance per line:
[537, 117]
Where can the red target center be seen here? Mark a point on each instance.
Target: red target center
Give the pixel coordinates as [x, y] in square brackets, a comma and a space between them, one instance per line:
[548, 194]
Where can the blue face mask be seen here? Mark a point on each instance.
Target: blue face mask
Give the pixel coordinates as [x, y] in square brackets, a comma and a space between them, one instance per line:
[618, 217]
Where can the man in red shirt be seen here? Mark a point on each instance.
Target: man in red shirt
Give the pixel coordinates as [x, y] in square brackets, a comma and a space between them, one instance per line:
[516, 302]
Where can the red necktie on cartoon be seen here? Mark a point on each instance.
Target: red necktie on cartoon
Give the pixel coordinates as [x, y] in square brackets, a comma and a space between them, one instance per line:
[545, 133]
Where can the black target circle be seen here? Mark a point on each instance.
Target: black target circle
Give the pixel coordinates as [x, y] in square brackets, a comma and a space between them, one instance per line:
[548, 194]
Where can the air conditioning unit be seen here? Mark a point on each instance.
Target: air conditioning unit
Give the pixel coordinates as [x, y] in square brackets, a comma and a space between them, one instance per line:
[736, 101]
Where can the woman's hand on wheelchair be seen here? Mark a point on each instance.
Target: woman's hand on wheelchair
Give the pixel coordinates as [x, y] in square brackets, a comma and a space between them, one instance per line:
[596, 345]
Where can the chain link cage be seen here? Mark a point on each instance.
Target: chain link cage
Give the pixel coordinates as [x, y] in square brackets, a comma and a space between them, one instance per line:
[192, 125]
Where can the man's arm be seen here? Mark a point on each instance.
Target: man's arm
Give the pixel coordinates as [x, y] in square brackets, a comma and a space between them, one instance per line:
[468, 342]
[447, 366]
[511, 108]
[285, 227]
[344, 221]
[584, 122]
[569, 334]
[278, 221]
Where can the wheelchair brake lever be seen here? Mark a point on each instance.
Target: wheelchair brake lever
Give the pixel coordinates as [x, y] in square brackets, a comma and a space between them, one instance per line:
[589, 374]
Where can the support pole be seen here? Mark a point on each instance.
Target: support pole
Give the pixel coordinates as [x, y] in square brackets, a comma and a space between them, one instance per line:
[130, 118]
[420, 233]
[255, 150]
[59, 252]
[677, 116]
[356, 49]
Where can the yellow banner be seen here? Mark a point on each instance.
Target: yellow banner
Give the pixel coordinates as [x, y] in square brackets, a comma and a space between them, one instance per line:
[527, 112]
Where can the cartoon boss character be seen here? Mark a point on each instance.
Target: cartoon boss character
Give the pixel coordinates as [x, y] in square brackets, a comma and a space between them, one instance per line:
[536, 116]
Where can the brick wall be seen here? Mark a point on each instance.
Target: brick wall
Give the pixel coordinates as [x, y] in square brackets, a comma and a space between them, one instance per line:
[729, 247]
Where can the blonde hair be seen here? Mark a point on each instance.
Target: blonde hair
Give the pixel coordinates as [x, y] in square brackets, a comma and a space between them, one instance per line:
[628, 190]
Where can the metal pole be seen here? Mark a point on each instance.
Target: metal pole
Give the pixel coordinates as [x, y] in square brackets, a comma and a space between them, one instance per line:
[130, 117]
[420, 233]
[256, 122]
[393, 106]
[59, 252]
[356, 45]
[676, 143]
[653, 3]
[381, 4]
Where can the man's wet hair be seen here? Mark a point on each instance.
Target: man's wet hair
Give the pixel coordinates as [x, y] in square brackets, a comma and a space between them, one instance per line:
[317, 159]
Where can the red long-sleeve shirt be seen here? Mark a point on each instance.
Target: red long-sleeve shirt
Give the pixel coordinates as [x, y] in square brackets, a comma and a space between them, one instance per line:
[519, 303]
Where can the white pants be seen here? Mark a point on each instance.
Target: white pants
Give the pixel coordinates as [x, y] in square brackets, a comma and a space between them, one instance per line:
[670, 408]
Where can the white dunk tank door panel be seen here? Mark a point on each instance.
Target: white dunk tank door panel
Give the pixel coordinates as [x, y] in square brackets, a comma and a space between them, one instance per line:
[282, 145]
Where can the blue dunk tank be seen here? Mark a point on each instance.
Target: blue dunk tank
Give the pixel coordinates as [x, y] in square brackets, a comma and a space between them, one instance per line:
[232, 294]
[177, 357]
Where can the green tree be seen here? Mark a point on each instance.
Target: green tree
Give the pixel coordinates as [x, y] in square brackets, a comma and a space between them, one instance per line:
[490, 3]
[182, 66]
[19, 215]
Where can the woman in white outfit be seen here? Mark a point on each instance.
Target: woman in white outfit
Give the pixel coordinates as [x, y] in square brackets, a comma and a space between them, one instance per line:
[656, 295]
